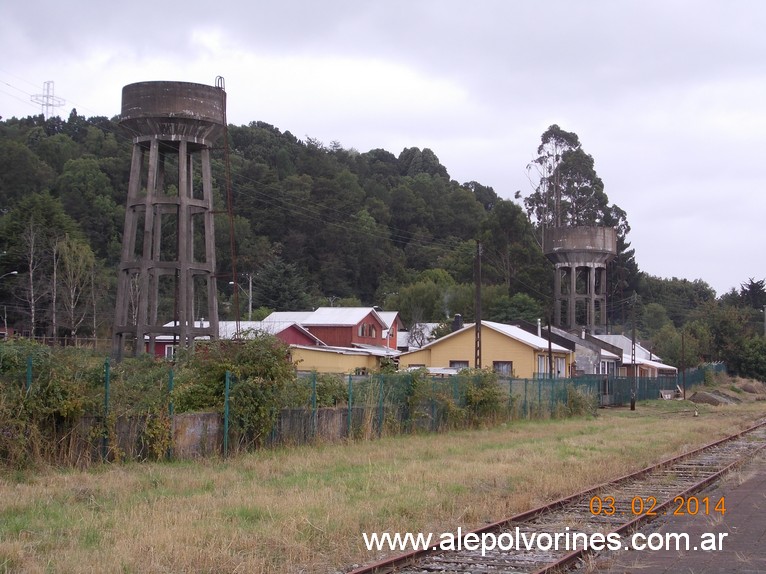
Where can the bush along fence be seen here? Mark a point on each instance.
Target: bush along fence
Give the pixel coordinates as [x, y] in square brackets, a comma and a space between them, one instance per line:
[139, 410]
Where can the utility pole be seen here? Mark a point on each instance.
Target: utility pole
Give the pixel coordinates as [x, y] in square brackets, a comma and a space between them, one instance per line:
[250, 297]
[633, 356]
[683, 363]
[477, 326]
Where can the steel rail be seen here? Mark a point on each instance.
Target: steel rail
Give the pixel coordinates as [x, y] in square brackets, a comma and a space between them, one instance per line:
[395, 563]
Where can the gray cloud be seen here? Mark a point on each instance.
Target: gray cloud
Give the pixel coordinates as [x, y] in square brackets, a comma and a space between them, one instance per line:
[665, 94]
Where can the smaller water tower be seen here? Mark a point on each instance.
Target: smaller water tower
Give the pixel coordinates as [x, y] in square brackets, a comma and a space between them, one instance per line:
[166, 289]
[580, 255]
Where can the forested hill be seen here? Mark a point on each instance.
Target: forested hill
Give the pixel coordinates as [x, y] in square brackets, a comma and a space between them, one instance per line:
[329, 223]
[315, 224]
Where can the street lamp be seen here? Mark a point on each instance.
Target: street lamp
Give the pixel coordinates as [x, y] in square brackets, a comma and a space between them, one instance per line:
[9, 273]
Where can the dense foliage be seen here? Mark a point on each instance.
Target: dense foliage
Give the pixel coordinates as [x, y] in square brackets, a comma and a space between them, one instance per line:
[319, 224]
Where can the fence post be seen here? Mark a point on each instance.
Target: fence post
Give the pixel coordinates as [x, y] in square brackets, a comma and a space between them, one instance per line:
[313, 404]
[227, 386]
[380, 407]
[171, 407]
[526, 406]
[433, 405]
[350, 405]
[29, 374]
[171, 410]
[105, 437]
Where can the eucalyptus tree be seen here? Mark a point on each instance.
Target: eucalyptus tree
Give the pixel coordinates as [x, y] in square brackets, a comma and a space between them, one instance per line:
[569, 192]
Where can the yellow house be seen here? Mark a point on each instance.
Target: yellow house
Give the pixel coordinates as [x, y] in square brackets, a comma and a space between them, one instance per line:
[508, 350]
[323, 359]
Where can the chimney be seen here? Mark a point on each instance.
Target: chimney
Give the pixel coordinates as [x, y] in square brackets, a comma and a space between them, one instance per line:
[457, 322]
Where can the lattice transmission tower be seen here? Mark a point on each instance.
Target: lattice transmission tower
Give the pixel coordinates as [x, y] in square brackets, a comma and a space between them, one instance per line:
[47, 100]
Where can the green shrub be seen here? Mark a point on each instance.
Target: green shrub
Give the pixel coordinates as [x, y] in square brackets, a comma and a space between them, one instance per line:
[580, 402]
[484, 399]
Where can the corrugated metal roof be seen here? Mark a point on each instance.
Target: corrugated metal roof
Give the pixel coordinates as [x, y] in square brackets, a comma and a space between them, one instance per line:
[388, 317]
[228, 329]
[288, 316]
[339, 316]
[333, 316]
[539, 343]
[626, 360]
[516, 333]
[626, 343]
[377, 350]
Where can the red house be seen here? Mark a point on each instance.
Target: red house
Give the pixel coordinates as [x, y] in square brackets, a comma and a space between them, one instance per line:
[346, 326]
[361, 327]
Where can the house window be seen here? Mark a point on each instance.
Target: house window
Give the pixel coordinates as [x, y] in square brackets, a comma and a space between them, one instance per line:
[503, 368]
[170, 351]
[361, 329]
[458, 364]
[561, 367]
[542, 366]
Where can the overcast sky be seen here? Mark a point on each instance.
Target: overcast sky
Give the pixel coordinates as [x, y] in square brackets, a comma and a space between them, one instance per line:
[668, 96]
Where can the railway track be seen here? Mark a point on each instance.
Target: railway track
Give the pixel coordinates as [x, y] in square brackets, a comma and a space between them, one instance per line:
[619, 507]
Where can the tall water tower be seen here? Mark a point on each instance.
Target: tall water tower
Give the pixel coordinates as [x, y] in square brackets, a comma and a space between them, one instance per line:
[166, 288]
[580, 255]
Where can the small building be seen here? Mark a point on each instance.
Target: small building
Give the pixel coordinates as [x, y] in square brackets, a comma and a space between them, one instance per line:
[289, 333]
[508, 350]
[419, 335]
[340, 360]
[328, 340]
[646, 364]
[592, 356]
[345, 326]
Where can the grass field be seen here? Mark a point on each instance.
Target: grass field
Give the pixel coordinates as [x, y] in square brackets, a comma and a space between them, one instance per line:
[304, 509]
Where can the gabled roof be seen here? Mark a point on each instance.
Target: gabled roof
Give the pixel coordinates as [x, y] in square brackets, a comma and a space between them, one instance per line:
[328, 316]
[377, 350]
[510, 331]
[519, 334]
[626, 343]
[228, 329]
[361, 350]
[389, 317]
[287, 316]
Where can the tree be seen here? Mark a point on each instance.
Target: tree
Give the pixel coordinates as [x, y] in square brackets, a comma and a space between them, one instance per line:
[36, 287]
[519, 307]
[754, 358]
[655, 318]
[569, 192]
[75, 270]
[509, 249]
[753, 293]
[544, 204]
[412, 162]
[21, 173]
[30, 230]
[87, 197]
[280, 286]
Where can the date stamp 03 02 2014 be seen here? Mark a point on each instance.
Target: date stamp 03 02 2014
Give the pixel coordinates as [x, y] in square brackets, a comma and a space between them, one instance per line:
[645, 506]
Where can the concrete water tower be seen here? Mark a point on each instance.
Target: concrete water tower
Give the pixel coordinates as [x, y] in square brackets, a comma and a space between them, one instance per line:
[167, 267]
[580, 255]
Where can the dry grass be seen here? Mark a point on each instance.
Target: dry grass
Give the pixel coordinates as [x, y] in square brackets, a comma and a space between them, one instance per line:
[304, 509]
